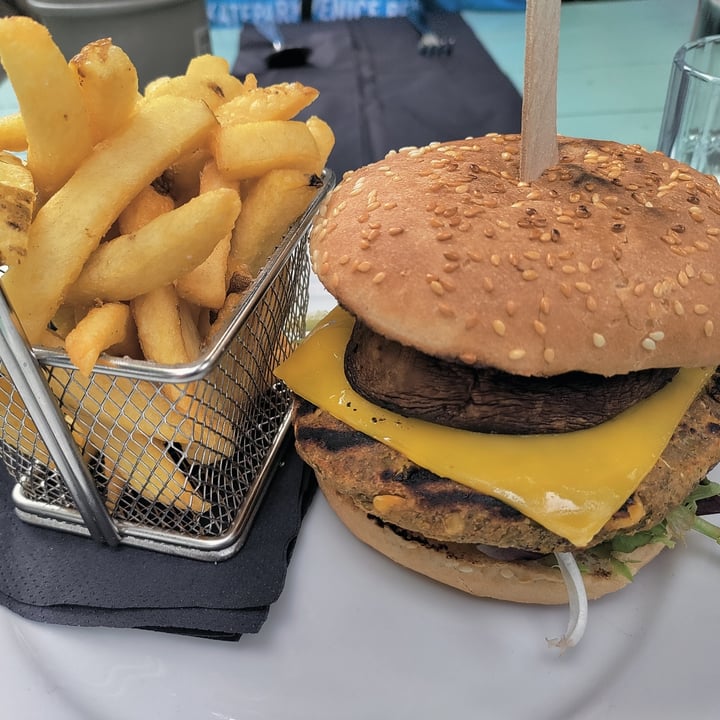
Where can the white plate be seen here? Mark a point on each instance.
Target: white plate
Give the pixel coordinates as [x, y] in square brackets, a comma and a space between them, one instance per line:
[355, 637]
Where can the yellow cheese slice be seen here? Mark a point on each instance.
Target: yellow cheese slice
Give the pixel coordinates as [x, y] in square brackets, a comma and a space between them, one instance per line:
[570, 483]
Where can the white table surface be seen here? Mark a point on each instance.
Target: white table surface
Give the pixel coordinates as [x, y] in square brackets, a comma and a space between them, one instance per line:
[354, 636]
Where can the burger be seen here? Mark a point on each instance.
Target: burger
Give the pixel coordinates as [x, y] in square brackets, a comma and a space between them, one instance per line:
[517, 373]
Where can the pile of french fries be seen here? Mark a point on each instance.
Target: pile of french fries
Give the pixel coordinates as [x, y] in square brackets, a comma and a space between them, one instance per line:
[135, 221]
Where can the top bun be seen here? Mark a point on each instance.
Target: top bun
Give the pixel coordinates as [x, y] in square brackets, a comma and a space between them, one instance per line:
[608, 263]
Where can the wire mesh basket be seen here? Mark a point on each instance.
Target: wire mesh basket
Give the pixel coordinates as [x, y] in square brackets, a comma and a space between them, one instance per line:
[171, 458]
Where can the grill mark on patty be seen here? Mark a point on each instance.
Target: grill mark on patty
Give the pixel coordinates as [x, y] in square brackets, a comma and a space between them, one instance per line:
[425, 485]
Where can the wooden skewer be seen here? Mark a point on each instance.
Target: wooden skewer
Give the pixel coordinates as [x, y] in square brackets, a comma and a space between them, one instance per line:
[538, 143]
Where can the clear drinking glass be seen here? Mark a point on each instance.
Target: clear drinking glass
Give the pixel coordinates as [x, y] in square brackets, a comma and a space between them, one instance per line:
[690, 128]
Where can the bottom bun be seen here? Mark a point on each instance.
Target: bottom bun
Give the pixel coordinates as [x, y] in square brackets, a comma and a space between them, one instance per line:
[466, 568]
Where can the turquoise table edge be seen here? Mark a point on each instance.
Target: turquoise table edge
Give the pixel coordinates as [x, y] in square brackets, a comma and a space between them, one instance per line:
[614, 62]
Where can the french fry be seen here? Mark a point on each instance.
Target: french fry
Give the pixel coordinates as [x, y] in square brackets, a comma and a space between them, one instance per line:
[140, 406]
[183, 176]
[216, 69]
[206, 284]
[56, 122]
[148, 204]
[142, 464]
[104, 326]
[168, 246]
[206, 65]
[68, 228]
[17, 428]
[249, 150]
[17, 202]
[212, 89]
[282, 101]
[13, 135]
[159, 320]
[273, 202]
[130, 459]
[189, 330]
[324, 137]
[109, 86]
[157, 316]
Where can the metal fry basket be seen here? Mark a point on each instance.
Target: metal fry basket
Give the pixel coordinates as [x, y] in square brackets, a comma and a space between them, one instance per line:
[171, 458]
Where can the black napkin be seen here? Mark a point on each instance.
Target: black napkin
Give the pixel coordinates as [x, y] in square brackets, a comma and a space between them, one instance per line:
[378, 93]
[55, 577]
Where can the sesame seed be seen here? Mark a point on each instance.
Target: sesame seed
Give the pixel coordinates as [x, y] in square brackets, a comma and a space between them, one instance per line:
[444, 236]
[678, 308]
[445, 310]
[378, 278]
[529, 275]
[395, 231]
[499, 327]
[696, 213]
[591, 303]
[683, 279]
[701, 309]
[363, 266]
[548, 355]
[487, 284]
[657, 335]
[468, 358]
[516, 354]
[437, 287]
[599, 340]
[343, 259]
[709, 328]
[495, 260]
[511, 307]
[648, 343]
[583, 287]
[569, 269]
[539, 327]
[707, 277]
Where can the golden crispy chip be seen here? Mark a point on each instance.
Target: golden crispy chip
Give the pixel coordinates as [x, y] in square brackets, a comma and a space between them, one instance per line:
[104, 326]
[142, 464]
[13, 135]
[17, 203]
[170, 245]
[109, 86]
[211, 89]
[157, 316]
[273, 202]
[323, 135]
[206, 284]
[69, 227]
[282, 101]
[148, 204]
[56, 122]
[249, 150]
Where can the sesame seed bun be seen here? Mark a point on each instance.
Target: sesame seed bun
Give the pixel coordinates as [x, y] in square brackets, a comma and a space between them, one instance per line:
[608, 263]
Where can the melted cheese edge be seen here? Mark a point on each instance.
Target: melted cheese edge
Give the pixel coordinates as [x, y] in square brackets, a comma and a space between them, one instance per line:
[570, 483]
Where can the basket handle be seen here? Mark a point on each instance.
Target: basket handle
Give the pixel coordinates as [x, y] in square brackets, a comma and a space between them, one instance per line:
[25, 373]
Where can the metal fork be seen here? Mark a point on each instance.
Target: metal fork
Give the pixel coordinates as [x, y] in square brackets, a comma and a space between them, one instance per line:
[430, 43]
